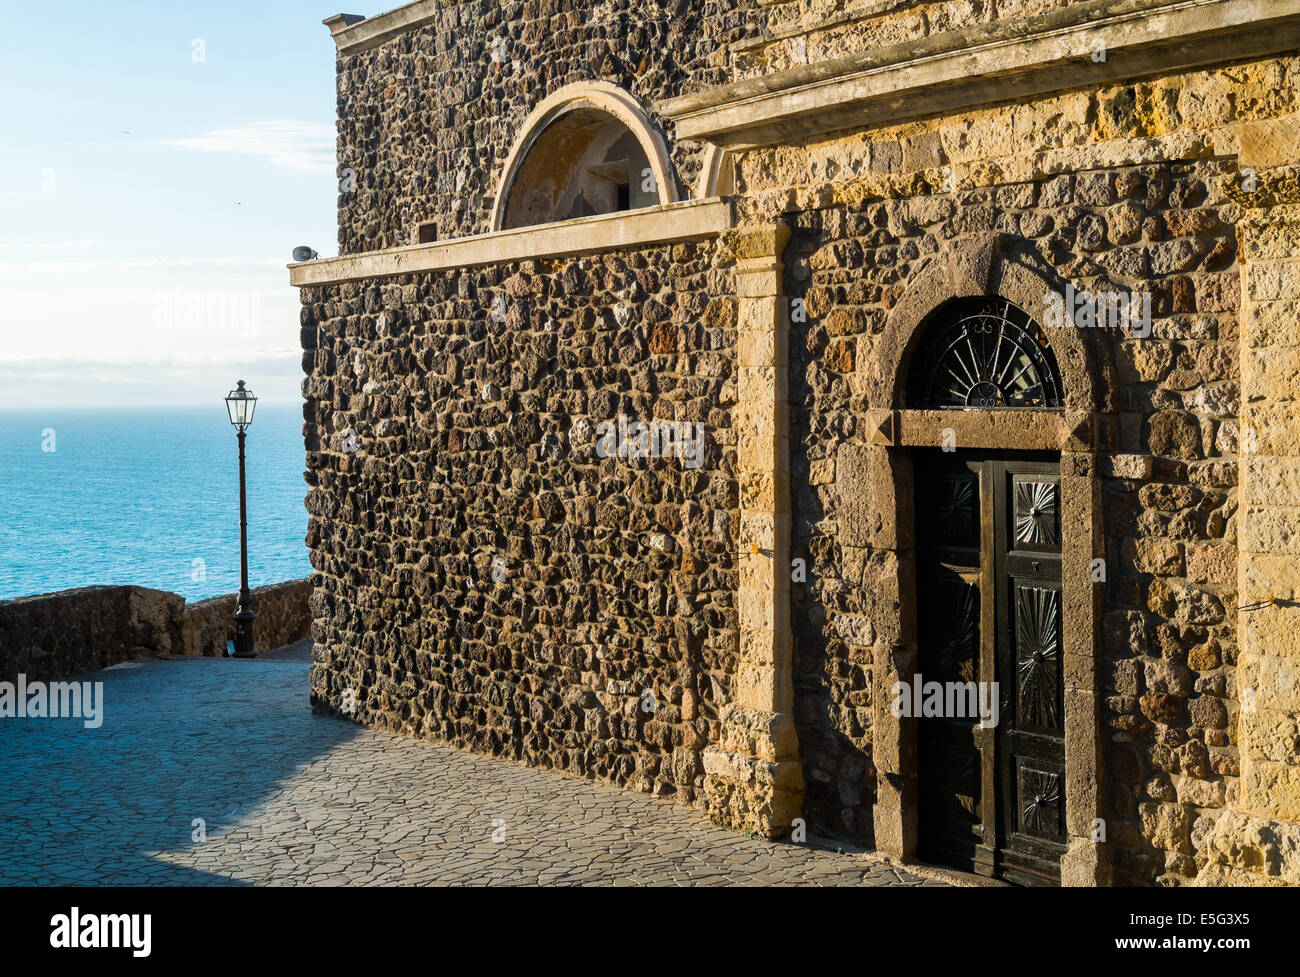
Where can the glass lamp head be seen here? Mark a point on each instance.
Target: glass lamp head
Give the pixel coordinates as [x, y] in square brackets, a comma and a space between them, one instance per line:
[240, 404]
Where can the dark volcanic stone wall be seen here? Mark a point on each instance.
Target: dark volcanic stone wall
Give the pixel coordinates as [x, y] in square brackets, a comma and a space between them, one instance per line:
[485, 578]
[427, 119]
[49, 637]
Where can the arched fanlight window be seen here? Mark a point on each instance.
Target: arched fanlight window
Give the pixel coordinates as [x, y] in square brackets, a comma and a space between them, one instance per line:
[587, 149]
[585, 163]
[983, 353]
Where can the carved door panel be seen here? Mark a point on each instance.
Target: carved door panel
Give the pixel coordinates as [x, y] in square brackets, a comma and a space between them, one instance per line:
[1031, 732]
[989, 612]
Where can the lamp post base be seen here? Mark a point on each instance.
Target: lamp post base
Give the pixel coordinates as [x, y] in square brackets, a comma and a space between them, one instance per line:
[244, 645]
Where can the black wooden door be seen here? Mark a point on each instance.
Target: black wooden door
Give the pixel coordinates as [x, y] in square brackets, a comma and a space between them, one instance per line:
[956, 788]
[992, 796]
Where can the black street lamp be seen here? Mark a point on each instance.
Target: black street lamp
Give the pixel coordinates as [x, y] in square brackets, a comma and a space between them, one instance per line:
[240, 404]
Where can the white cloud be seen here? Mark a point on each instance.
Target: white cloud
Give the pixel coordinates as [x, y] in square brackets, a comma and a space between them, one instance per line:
[90, 266]
[267, 357]
[304, 146]
[34, 245]
[148, 380]
[73, 381]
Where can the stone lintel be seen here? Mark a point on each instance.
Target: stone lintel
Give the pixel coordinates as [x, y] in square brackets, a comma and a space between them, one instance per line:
[1044, 430]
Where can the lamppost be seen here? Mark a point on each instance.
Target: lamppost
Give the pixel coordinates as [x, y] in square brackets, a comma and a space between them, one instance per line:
[240, 404]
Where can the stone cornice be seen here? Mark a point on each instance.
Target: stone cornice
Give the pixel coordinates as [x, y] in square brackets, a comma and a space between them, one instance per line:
[353, 34]
[986, 64]
[843, 18]
[687, 221]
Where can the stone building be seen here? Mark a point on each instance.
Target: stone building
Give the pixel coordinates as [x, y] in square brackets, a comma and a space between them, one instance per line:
[969, 329]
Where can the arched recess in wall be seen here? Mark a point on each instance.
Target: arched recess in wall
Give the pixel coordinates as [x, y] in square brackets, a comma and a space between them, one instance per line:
[587, 149]
[1067, 414]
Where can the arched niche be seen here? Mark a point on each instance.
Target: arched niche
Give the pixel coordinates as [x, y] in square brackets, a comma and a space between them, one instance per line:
[587, 149]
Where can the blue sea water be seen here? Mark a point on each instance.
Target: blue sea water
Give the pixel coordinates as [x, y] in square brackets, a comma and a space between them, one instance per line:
[148, 497]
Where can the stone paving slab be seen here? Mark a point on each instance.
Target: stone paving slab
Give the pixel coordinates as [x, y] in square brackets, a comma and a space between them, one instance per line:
[216, 772]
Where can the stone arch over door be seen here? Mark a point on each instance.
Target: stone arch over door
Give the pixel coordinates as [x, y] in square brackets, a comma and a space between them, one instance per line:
[981, 266]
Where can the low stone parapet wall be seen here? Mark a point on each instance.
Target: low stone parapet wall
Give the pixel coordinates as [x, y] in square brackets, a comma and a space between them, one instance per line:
[52, 636]
[283, 617]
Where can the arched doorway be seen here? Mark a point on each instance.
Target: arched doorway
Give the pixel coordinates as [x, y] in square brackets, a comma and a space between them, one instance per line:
[989, 691]
[989, 429]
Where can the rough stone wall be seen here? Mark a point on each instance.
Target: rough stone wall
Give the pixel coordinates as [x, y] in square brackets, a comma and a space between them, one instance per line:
[283, 617]
[484, 576]
[53, 636]
[462, 452]
[809, 31]
[426, 120]
[1121, 187]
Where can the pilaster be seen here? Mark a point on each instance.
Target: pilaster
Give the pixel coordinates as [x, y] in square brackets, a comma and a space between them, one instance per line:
[1256, 840]
[753, 780]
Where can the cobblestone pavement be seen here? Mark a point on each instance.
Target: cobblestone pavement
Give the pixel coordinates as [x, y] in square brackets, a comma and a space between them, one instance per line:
[287, 798]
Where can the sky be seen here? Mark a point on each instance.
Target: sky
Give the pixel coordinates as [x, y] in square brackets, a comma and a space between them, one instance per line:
[158, 165]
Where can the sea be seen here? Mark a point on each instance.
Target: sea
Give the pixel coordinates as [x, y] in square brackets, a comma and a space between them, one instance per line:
[148, 497]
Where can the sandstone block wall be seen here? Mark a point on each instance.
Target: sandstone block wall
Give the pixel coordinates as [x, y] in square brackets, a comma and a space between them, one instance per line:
[809, 31]
[483, 575]
[1171, 552]
[867, 211]
[49, 637]
[1257, 841]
